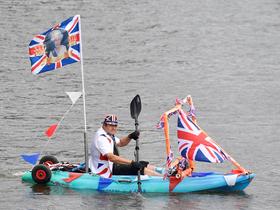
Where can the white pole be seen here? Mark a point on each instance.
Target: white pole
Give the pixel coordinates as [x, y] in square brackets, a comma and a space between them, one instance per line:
[84, 97]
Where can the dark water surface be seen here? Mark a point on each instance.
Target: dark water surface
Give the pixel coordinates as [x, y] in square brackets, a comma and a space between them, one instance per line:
[226, 54]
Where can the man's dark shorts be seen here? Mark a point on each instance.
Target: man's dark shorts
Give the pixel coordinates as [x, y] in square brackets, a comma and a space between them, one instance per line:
[121, 169]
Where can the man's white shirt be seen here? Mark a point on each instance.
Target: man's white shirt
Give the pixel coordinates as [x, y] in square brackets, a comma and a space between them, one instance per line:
[102, 144]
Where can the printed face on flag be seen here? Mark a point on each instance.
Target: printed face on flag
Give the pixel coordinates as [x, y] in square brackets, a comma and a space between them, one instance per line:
[57, 47]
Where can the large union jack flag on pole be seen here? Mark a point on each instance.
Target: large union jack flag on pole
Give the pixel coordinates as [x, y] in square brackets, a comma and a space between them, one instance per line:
[195, 144]
[57, 47]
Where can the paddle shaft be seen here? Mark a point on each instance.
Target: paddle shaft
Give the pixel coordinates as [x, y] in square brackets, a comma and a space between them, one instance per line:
[137, 143]
[137, 158]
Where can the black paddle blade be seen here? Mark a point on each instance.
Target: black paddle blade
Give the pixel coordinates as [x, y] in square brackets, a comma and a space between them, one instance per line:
[135, 107]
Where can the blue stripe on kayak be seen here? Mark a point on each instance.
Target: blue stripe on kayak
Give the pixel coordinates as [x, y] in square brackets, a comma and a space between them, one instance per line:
[103, 183]
[201, 174]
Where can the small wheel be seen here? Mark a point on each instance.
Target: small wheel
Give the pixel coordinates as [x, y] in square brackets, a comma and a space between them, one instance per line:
[48, 160]
[41, 174]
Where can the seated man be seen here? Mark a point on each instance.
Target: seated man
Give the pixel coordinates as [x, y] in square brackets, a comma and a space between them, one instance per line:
[105, 160]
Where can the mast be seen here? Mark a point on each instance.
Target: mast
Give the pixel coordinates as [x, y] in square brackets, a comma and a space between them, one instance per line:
[84, 98]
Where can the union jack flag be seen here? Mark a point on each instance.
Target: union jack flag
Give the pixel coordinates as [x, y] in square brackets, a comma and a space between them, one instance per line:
[195, 144]
[57, 47]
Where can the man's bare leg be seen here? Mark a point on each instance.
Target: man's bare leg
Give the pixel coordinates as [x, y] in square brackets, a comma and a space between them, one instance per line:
[150, 172]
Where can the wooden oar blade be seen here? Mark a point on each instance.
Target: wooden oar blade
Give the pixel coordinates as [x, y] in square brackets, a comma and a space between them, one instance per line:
[135, 107]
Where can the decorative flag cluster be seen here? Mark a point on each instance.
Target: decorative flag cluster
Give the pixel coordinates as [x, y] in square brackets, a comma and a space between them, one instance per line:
[33, 158]
[57, 47]
[52, 49]
[195, 144]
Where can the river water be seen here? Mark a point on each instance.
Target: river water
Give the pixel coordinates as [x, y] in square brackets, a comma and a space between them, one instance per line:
[224, 53]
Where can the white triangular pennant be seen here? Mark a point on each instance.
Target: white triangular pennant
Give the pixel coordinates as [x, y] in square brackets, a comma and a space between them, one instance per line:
[74, 96]
[230, 179]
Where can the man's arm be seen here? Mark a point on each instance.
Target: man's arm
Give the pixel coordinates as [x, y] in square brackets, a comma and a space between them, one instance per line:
[117, 159]
[123, 141]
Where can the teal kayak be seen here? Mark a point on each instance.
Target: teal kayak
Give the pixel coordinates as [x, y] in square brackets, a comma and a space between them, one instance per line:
[204, 181]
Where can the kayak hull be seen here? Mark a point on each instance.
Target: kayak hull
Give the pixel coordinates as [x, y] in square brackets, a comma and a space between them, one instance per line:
[207, 181]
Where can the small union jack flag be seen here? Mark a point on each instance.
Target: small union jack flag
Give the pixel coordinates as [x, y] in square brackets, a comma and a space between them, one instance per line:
[169, 158]
[195, 144]
[160, 124]
[57, 47]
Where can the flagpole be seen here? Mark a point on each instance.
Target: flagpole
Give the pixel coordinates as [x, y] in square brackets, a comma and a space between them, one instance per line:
[84, 97]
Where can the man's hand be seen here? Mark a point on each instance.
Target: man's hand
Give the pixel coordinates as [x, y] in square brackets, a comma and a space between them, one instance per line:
[139, 165]
[144, 163]
[134, 135]
[136, 165]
